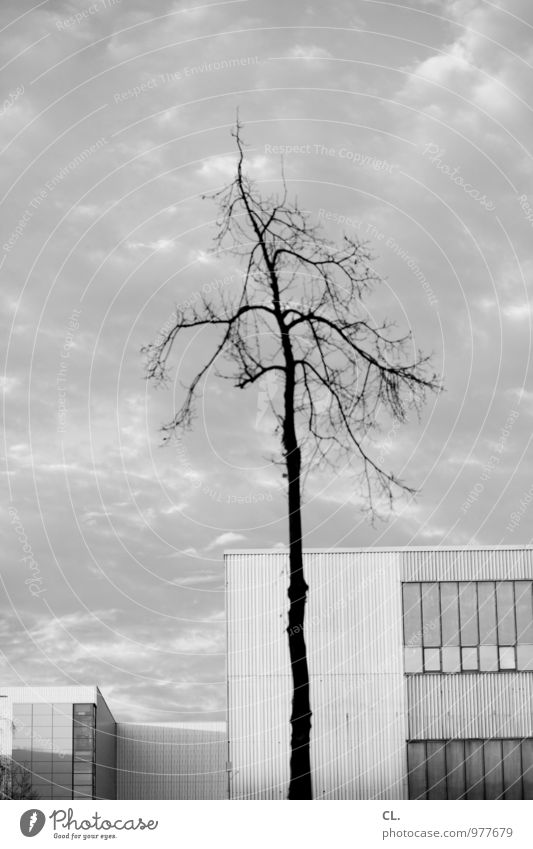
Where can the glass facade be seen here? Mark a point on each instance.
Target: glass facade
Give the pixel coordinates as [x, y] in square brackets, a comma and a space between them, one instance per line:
[470, 769]
[55, 744]
[468, 626]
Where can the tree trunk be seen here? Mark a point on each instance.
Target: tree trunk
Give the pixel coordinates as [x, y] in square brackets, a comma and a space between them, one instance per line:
[300, 765]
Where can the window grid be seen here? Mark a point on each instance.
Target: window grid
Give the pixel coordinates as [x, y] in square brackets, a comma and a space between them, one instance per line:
[489, 623]
[508, 778]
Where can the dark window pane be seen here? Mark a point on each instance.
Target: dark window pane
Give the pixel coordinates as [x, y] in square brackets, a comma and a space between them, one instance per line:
[507, 657]
[412, 659]
[43, 791]
[86, 768]
[432, 660]
[430, 614]
[416, 761]
[527, 768]
[524, 612]
[82, 709]
[474, 769]
[449, 602]
[488, 658]
[486, 594]
[61, 767]
[436, 770]
[505, 608]
[451, 659]
[83, 781]
[493, 769]
[42, 770]
[470, 659]
[524, 658]
[468, 614]
[412, 617]
[512, 769]
[42, 710]
[42, 754]
[455, 767]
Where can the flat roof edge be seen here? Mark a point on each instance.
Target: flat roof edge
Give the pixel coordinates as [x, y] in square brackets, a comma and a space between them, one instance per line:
[379, 550]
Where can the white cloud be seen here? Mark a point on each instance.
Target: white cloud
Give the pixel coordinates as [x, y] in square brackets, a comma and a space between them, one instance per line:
[309, 51]
[518, 312]
[225, 539]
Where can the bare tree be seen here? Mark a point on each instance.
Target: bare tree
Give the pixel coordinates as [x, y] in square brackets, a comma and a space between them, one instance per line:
[15, 781]
[300, 314]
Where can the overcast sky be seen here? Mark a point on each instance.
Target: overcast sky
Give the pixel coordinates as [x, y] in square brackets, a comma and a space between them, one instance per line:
[412, 121]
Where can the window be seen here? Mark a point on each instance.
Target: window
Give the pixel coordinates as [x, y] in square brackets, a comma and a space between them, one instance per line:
[470, 769]
[449, 605]
[83, 749]
[487, 613]
[412, 615]
[524, 613]
[468, 614]
[469, 659]
[413, 659]
[432, 660]
[467, 626]
[488, 658]
[451, 659]
[430, 614]
[505, 609]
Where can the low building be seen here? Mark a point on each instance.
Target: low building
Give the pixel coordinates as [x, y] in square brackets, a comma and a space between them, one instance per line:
[63, 739]
[172, 760]
[421, 673]
[64, 743]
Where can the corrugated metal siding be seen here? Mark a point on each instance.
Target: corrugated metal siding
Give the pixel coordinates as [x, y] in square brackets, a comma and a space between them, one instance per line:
[6, 729]
[470, 705]
[467, 564]
[353, 630]
[48, 695]
[171, 762]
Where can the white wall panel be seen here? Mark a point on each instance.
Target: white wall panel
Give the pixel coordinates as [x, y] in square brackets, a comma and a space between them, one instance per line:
[467, 564]
[470, 705]
[171, 761]
[353, 632]
[48, 695]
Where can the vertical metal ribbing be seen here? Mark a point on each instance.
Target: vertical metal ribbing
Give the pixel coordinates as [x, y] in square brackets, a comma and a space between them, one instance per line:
[354, 638]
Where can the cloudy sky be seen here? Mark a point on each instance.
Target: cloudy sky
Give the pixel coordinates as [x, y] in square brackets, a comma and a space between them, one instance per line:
[412, 126]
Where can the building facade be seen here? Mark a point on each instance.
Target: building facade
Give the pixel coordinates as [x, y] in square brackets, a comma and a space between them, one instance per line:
[64, 743]
[172, 760]
[62, 740]
[421, 673]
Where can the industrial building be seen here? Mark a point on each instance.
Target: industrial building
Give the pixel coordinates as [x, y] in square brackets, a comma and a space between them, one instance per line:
[62, 739]
[65, 743]
[421, 673]
[421, 679]
[172, 760]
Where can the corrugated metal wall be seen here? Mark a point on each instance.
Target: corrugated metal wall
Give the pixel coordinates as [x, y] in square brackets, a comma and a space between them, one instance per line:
[171, 761]
[353, 630]
[467, 564]
[49, 695]
[470, 705]
[6, 730]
